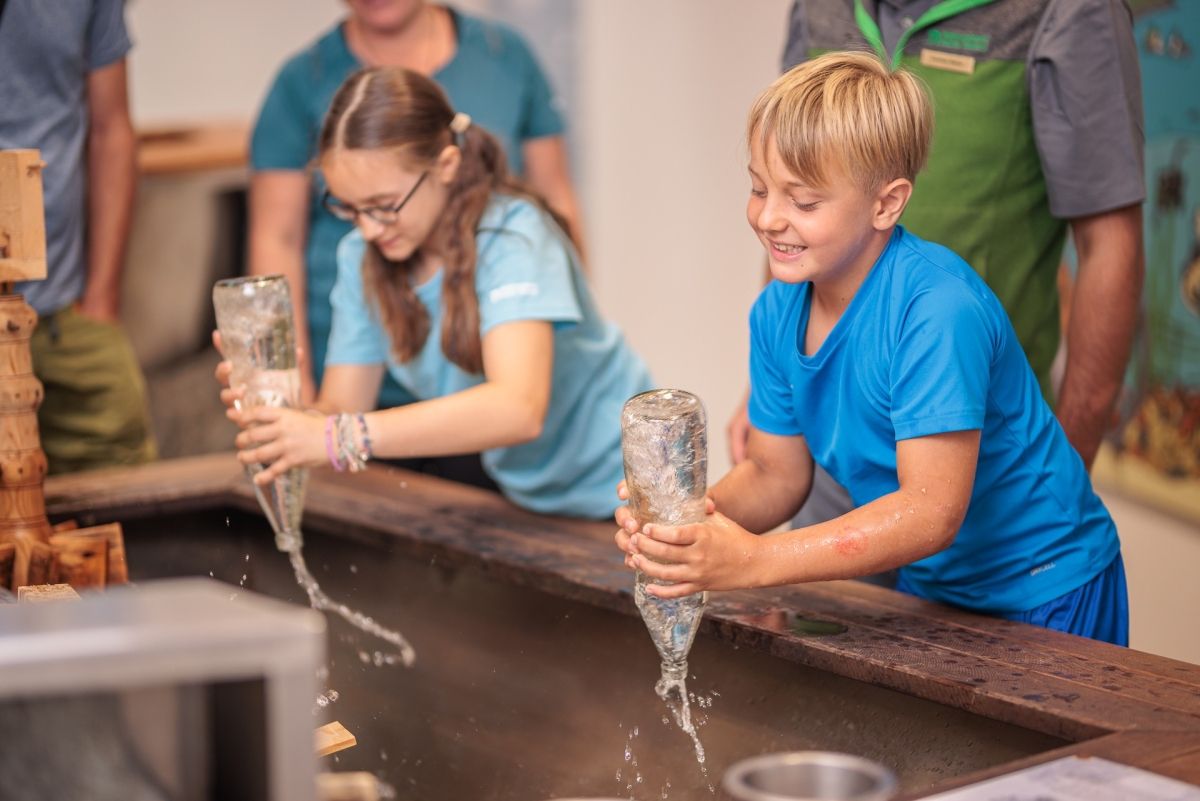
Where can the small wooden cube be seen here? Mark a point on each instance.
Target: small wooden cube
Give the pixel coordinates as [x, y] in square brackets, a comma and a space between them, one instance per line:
[45, 593]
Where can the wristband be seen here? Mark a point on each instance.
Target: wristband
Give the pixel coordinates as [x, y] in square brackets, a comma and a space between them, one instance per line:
[338, 465]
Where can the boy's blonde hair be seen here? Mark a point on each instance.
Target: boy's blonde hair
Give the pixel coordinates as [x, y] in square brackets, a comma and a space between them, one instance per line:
[847, 110]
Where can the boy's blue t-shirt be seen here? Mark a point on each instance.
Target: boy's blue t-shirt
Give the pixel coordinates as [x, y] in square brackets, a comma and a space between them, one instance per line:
[526, 270]
[493, 76]
[926, 348]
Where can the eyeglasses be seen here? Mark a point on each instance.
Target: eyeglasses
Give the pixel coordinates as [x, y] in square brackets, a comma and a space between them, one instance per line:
[384, 215]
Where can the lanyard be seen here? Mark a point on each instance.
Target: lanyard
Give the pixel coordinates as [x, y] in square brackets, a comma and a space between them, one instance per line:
[942, 11]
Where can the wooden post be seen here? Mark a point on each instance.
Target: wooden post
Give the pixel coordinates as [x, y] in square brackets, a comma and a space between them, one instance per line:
[22, 462]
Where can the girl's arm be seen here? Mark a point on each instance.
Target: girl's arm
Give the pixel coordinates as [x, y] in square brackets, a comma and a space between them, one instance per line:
[936, 475]
[507, 409]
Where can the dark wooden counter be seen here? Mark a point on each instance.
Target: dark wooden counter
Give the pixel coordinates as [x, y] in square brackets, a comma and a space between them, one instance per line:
[1124, 705]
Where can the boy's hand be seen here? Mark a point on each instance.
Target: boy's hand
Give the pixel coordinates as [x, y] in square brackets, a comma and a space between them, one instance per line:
[279, 438]
[630, 524]
[717, 554]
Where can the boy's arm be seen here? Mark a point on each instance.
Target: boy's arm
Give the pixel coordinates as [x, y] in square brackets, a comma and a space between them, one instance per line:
[769, 486]
[936, 475]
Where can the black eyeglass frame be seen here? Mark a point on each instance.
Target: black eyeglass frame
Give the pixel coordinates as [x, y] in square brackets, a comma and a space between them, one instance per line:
[384, 215]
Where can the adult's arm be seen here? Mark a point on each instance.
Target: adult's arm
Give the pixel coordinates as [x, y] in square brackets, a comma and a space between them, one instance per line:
[278, 206]
[112, 177]
[1103, 314]
[548, 174]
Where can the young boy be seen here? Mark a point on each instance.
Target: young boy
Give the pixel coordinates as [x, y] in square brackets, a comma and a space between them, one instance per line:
[887, 360]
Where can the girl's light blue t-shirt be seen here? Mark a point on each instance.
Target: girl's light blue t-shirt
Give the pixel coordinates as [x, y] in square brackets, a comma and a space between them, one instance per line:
[526, 270]
[925, 348]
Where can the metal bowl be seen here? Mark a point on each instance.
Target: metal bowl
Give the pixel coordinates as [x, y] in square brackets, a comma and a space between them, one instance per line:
[809, 776]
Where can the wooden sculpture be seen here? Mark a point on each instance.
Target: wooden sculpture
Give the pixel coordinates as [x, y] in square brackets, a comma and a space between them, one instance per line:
[31, 552]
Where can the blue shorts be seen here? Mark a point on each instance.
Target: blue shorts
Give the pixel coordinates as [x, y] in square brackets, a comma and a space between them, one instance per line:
[1098, 609]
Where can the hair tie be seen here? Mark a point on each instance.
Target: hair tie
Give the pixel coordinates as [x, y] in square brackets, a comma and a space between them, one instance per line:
[459, 125]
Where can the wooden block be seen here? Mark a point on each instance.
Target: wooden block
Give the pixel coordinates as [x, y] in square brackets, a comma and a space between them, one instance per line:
[333, 737]
[82, 560]
[358, 785]
[43, 593]
[112, 534]
[66, 525]
[8, 555]
[36, 563]
[22, 217]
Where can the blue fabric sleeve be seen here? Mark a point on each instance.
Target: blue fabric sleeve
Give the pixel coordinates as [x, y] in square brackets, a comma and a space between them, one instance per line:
[524, 270]
[356, 336]
[771, 408]
[285, 134]
[541, 114]
[941, 366]
[108, 38]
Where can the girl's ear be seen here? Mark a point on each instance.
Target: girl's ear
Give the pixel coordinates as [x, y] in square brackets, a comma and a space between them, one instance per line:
[445, 169]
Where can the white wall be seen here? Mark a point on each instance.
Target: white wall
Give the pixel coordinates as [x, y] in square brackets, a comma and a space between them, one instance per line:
[665, 87]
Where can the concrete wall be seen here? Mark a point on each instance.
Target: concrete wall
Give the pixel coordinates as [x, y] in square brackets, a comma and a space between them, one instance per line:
[659, 91]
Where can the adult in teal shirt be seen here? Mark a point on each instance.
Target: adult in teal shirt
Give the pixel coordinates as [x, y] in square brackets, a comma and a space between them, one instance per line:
[486, 70]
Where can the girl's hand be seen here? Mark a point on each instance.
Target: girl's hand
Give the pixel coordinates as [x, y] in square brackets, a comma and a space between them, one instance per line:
[230, 397]
[717, 554]
[279, 438]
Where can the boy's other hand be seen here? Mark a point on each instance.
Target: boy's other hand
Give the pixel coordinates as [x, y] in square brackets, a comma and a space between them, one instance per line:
[630, 524]
[717, 554]
[737, 430]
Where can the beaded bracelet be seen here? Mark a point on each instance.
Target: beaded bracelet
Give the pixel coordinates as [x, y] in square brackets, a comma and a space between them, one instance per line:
[354, 457]
[367, 450]
[338, 465]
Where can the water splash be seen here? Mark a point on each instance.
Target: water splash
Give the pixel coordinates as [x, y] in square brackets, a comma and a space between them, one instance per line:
[322, 602]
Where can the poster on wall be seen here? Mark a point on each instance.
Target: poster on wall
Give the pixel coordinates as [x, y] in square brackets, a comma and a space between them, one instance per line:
[1154, 452]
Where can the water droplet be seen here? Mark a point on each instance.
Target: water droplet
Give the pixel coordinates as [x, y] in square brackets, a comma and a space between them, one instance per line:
[353, 568]
[383, 755]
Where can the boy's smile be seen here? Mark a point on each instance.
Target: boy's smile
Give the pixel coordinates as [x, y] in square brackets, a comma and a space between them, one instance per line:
[830, 235]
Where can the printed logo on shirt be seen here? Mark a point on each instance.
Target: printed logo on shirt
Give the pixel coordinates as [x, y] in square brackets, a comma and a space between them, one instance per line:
[1042, 568]
[521, 289]
[975, 42]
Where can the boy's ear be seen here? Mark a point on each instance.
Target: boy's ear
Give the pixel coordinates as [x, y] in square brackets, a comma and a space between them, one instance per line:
[448, 161]
[890, 203]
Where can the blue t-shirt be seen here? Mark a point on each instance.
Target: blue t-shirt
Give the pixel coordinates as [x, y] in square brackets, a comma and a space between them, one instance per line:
[526, 270]
[47, 51]
[493, 76]
[925, 348]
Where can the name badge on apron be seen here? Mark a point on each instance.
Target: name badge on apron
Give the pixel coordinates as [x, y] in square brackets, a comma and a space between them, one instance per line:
[950, 62]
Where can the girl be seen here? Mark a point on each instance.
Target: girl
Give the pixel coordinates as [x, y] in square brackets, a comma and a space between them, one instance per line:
[460, 285]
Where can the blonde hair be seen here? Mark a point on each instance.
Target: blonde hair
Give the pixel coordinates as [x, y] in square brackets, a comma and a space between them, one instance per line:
[846, 109]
